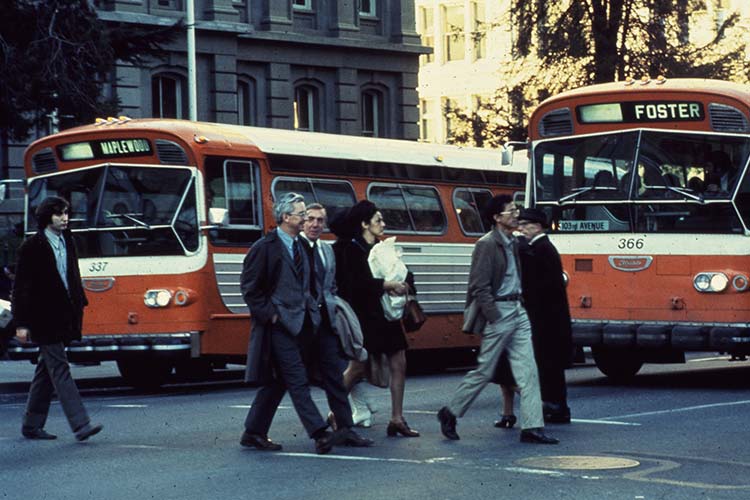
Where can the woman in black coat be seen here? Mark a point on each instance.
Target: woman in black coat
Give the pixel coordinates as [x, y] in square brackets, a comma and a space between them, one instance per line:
[358, 233]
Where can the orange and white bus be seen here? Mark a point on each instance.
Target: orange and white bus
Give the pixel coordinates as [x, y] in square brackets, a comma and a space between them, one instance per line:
[647, 187]
[164, 211]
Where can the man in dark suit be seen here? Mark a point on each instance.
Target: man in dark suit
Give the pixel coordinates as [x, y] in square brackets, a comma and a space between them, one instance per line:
[284, 290]
[48, 301]
[546, 303]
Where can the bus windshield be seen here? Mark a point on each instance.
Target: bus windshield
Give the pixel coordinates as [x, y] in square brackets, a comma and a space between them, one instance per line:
[119, 210]
[643, 181]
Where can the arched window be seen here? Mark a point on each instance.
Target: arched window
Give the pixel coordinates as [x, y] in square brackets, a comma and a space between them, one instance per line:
[168, 96]
[306, 108]
[247, 110]
[373, 119]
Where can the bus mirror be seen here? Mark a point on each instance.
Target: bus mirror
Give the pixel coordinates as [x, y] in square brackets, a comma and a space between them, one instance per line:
[218, 216]
[506, 158]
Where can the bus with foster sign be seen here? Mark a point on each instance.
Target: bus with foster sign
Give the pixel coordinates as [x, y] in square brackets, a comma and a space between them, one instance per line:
[647, 187]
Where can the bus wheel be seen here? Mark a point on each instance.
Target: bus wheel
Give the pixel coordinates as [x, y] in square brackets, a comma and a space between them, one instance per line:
[193, 369]
[144, 373]
[617, 364]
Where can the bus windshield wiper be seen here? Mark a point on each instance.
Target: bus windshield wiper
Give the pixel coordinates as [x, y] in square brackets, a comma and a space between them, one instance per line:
[681, 191]
[579, 191]
[138, 222]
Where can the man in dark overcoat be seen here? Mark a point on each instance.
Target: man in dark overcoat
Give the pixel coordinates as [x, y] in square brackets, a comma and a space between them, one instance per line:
[47, 303]
[289, 330]
[546, 303]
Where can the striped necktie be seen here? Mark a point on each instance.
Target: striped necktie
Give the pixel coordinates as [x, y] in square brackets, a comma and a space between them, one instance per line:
[298, 266]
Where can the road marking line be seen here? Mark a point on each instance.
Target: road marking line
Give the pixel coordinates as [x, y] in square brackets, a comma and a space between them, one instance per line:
[605, 422]
[141, 446]
[680, 410]
[715, 358]
[247, 407]
[354, 458]
[542, 472]
[126, 406]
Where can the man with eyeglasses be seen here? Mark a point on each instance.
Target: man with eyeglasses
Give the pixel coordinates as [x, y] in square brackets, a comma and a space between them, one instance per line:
[494, 309]
[285, 299]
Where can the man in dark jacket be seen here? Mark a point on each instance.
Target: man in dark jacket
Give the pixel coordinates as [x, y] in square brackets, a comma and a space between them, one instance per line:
[288, 324]
[546, 303]
[47, 303]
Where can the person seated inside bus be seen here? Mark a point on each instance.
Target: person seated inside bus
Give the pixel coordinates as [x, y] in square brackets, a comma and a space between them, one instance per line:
[720, 173]
[604, 179]
[696, 184]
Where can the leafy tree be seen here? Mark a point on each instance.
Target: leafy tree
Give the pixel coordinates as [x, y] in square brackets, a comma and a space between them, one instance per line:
[55, 57]
[564, 45]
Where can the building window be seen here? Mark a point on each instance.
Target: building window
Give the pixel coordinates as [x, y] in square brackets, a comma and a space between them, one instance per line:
[246, 102]
[169, 4]
[450, 106]
[454, 32]
[426, 22]
[306, 108]
[425, 121]
[479, 35]
[368, 8]
[302, 4]
[372, 114]
[168, 96]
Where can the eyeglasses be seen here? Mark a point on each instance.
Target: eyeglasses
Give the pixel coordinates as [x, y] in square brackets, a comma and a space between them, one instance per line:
[514, 210]
[298, 214]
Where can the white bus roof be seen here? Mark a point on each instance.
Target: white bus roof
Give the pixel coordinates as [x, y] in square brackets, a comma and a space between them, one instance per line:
[291, 142]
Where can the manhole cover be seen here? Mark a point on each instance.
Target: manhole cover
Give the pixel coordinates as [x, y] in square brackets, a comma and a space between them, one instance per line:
[581, 462]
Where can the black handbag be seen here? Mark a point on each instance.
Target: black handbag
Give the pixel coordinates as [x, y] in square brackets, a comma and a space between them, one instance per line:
[414, 317]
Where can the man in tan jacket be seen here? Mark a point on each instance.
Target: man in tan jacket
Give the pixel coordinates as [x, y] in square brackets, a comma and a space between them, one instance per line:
[494, 306]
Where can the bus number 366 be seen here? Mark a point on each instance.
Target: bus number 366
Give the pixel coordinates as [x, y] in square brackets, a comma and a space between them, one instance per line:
[630, 243]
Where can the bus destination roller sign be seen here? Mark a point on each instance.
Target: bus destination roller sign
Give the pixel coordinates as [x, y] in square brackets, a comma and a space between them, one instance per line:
[642, 112]
[105, 148]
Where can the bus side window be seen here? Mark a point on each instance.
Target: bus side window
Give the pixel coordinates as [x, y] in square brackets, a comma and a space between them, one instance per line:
[336, 196]
[390, 201]
[425, 209]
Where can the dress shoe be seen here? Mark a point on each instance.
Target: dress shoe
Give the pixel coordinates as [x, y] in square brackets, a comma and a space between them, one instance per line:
[349, 437]
[258, 441]
[87, 431]
[37, 433]
[395, 428]
[556, 413]
[506, 422]
[324, 443]
[447, 423]
[537, 436]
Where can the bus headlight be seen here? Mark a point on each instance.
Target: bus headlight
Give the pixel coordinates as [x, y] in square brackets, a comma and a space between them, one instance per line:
[157, 298]
[710, 282]
[184, 296]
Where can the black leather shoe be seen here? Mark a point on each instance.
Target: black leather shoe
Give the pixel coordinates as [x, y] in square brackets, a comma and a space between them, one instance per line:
[556, 413]
[324, 443]
[37, 434]
[537, 436]
[506, 422]
[260, 442]
[87, 431]
[447, 423]
[349, 437]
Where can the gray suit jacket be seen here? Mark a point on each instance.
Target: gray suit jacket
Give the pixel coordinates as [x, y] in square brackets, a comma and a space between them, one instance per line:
[270, 285]
[488, 265]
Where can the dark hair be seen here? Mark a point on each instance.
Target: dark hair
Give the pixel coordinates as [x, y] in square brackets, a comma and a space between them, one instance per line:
[349, 224]
[495, 206]
[53, 205]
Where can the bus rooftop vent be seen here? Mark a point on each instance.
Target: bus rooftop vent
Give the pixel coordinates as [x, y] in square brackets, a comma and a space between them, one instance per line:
[170, 153]
[727, 119]
[44, 161]
[557, 122]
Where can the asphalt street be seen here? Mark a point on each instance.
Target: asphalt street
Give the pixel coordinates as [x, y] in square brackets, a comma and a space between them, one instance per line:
[675, 432]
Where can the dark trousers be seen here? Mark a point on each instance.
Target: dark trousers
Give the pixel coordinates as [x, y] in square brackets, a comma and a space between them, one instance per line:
[552, 382]
[293, 355]
[52, 375]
